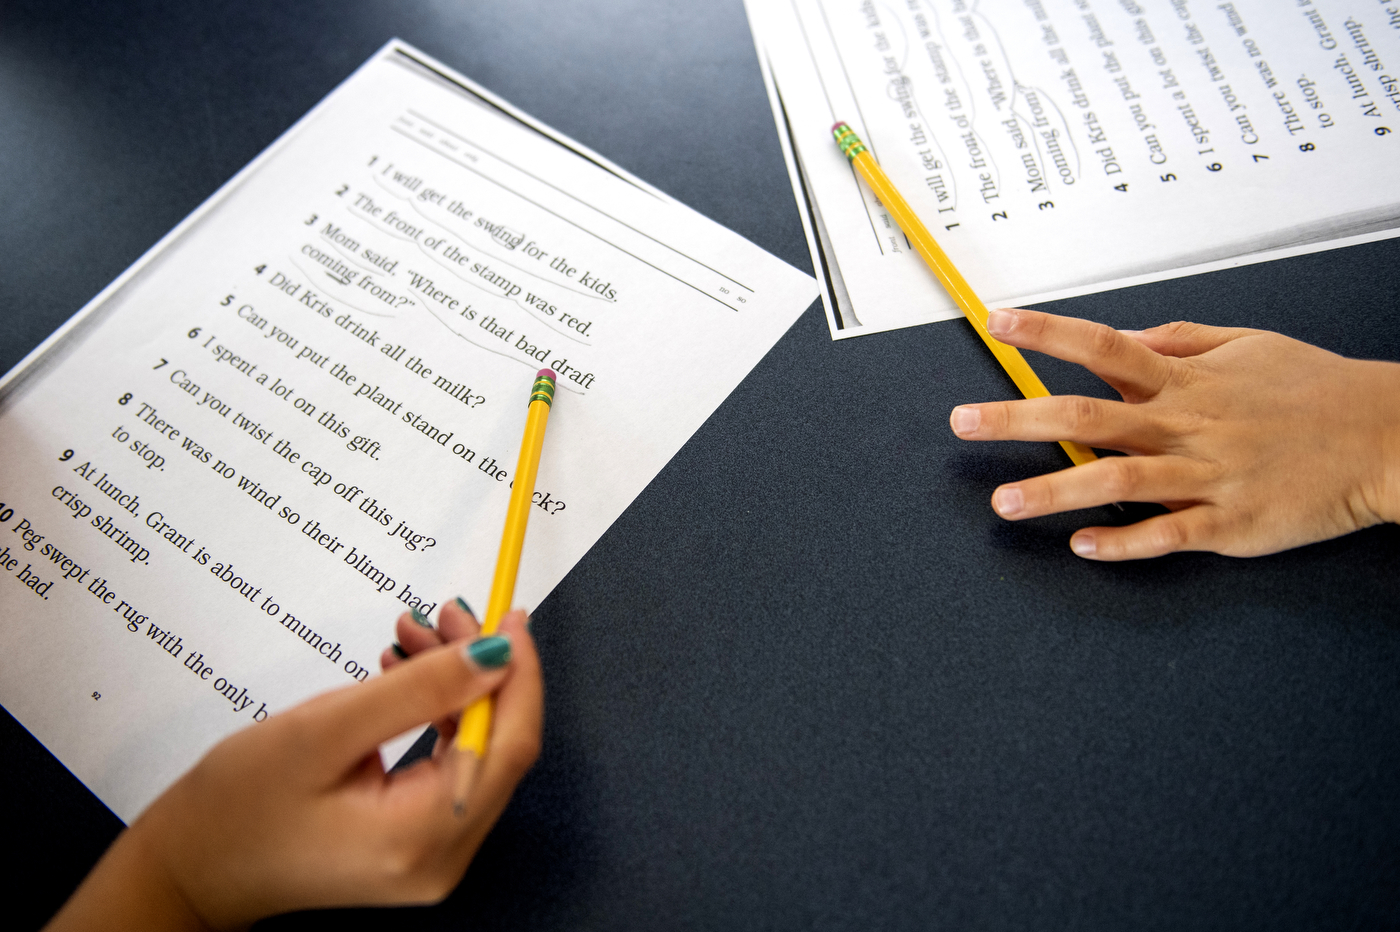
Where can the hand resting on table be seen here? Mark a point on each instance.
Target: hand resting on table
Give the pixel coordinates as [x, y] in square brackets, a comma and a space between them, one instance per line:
[1256, 442]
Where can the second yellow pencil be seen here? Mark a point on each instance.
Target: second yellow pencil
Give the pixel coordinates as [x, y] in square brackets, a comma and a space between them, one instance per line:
[938, 262]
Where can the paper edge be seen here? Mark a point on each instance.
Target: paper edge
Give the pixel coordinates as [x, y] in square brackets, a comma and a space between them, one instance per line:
[795, 182]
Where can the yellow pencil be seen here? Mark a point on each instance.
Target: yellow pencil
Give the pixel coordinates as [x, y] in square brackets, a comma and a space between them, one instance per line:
[1010, 358]
[475, 724]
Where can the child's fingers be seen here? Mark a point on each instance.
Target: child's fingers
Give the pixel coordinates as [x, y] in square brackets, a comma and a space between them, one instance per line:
[423, 807]
[1111, 425]
[1195, 528]
[516, 728]
[517, 720]
[413, 632]
[416, 633]
[519, 708]
[1112, 479]
[1126, 364]
[339, 728]
[515, 735]
[1183, 338]
[456, 620]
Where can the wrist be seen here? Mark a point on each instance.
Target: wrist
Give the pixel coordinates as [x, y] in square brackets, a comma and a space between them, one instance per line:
[1386, 495]
[129, 888]
[1388, 498]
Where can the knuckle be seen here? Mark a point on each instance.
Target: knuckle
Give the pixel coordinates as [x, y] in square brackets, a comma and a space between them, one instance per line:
[1104, 341]
[1170, 534]
[1180, 377]
[997, 416]
[1084, 413]
[1187, 422]
[416, 868]
[1042, 496]
[398, 863]
[1122, 477]
[396, 866]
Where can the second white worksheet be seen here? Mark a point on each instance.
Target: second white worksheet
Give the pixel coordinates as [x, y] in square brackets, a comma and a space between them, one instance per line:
[1059, 147]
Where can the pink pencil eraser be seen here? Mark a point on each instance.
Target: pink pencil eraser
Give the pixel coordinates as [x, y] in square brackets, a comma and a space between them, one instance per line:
[548, 374]
[838, 125]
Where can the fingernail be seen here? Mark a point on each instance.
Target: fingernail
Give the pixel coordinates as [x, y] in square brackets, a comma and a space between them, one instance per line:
[419, 618]
[1000, 323]
[489, 653]
[1083, 545]
[965, 420]
[462, 604]
[1130, 332]
[1008, 502]
[398, 650]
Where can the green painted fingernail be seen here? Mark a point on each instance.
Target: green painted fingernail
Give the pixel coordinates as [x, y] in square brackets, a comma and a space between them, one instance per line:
[420, 618]
[398, 650]
[462, 604]
[489, 653]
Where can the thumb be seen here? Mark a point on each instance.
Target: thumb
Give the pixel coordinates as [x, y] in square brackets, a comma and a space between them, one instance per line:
[340, 728]
[1183, 338]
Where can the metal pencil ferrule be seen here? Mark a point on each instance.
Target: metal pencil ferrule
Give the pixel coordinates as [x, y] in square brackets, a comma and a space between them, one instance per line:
[542, 390]
[849, 142]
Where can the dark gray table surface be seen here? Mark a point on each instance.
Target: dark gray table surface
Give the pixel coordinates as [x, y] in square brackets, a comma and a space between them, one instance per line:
[808, 680]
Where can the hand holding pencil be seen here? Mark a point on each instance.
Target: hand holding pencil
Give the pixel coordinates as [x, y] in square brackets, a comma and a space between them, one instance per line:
[297, 813]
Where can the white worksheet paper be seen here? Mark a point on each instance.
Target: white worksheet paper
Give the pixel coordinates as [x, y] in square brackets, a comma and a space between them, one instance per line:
[1062, 147]
[299, 415]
